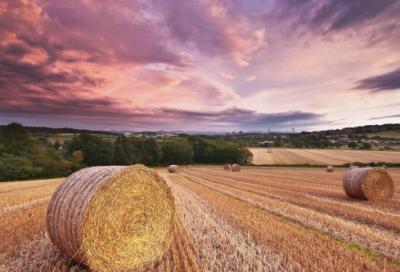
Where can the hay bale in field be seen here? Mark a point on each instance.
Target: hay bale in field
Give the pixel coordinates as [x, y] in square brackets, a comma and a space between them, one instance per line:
[112, 218]
[368, 183]
[227, 167]
[140, 165]
[329, 168]
[354, 166]
[236, 168]
[384, 167]
[189, 166]
[173, 169]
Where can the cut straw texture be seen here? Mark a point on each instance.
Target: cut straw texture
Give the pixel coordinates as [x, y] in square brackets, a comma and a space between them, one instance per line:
[329, 168]
[373, 184]
[236, 168]
[113, 218]
[173, 169]
[227, 167]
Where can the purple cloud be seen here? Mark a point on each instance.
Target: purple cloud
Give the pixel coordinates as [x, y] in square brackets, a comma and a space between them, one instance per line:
[386, 82]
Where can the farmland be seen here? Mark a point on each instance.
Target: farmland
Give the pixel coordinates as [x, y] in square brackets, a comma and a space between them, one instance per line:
[259, 219]
[321, 156]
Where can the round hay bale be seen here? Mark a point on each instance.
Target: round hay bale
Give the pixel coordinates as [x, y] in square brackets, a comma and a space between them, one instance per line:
[329, 168]
[112, 218]
[173, 169]
[189, 166]
[368, 183]
[140, 165]
[227, 167]
[384, 167]
[236, 168]
[354, 166]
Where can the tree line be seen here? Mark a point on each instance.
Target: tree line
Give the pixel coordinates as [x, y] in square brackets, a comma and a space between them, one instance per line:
[24, 157]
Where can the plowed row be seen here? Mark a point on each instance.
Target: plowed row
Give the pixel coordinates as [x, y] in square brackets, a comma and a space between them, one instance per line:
[321, 156]
[259, 219]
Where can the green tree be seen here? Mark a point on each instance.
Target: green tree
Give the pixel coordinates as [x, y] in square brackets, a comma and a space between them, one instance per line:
[119, 156]
[16, 140]
[128, 146]
[96, 150]
[18, 168]
[153, 152]
[353, 145]
[57, 145]
[178, 151]
[367, 146]
[338, 145]
[278, 143]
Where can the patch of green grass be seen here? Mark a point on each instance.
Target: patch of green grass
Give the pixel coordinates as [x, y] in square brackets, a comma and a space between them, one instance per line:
[63, 136]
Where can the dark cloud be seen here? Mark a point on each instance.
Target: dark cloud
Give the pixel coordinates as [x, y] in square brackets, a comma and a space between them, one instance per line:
[384, 117]
[95, 31]
[385, 82]
[374, 20]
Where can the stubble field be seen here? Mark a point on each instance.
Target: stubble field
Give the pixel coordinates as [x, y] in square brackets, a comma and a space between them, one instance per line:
[260, 219]
[321, 156]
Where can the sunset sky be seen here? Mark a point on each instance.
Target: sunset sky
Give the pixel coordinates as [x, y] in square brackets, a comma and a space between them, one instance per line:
[200, 65]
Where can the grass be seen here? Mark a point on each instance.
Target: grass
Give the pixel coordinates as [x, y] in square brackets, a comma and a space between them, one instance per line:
[384, 134]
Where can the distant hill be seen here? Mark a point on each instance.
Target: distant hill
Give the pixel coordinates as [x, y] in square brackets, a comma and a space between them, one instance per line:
[47, 130]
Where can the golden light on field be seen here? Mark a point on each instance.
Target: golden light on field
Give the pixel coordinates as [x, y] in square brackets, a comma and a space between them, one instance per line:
[321, 156]
[284, 218]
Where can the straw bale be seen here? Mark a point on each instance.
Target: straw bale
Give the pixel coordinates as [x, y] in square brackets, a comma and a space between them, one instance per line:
[384, 167]
[354, 166]
[112, 218]
[227, 167]
[236, 168]
[368, 183]
[173, 169]
[140, 165]
[329, 168]
[189, 166]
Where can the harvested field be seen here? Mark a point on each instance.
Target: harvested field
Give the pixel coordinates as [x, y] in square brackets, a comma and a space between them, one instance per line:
[258, 219]
[321, 156]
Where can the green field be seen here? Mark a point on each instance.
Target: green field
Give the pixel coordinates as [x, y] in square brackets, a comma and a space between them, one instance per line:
[383, 134]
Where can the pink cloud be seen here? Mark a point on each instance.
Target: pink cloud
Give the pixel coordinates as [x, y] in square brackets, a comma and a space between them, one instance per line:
[229, 77]
[95, 61]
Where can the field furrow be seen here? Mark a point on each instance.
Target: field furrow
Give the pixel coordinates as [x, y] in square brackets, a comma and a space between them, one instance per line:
[298, 183]
[221, 247]
[322, 156]
[303, 249]
[381, 242]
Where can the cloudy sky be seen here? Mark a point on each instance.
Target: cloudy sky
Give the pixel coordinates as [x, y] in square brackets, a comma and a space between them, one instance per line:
[200, 65]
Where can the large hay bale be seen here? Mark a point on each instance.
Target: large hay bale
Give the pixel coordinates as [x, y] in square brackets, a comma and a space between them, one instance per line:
[113, 218]
[173, 169]
[236, 168]
[227, 167]
[384, 167]
[368, 183]
[329, 168]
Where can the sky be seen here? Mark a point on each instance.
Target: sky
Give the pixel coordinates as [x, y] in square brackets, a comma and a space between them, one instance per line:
[200, 65]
